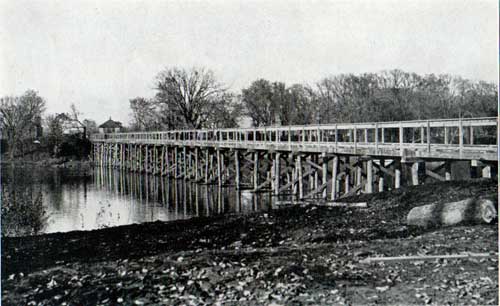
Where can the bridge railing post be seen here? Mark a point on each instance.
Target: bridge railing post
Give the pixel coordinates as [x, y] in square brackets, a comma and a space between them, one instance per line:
[336, 137]
[401, 138]
[428, 136]
[460, 136]
[289, 135]
[355, 140]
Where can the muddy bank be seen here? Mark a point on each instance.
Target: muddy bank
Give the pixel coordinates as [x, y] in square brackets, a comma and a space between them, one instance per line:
[293, 255]
[61, 162]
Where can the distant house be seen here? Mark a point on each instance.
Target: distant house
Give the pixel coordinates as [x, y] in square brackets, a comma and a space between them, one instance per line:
[70, 126]
[110, 126]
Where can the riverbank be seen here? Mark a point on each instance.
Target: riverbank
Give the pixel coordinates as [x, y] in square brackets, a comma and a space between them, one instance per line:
[61, 162]
[295, 255]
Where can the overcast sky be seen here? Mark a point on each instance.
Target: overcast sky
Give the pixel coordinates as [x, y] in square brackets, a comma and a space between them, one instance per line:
[99, 54]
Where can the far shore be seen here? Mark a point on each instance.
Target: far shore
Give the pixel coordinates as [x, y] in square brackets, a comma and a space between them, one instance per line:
[61, 162]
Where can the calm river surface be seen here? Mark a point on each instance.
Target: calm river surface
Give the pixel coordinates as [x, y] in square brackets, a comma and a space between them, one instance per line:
[73, 201]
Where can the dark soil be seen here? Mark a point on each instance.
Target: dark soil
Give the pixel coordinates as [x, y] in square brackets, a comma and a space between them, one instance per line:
[295, 255]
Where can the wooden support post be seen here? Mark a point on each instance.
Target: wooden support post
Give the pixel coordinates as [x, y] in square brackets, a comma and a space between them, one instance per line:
[277, 173]
[176, 161]
[155, 159]
[103, 155]
[347, 175]
[255, 170]
[162, 161]
[223, 167]
[129, 157]
[294, 180]
[189, 165]
[137, 156]
[141, 160]
[167, 162]
[414, 173]
[146, 168]
[122, 156]
[397, 175]
[219, 168]
[369, 176]
[335, 188]
[359, 171]
[131, 153]
[207, 159]
[184, 163]
[213, 170]
[237, 168]
[196, 164]
[381, 184]
[300, 177]
[315, 180]
[100, 152]
[324, 172]
[445, 135]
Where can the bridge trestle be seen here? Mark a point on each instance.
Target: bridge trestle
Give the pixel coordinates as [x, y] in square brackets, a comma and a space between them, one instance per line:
[300, 174]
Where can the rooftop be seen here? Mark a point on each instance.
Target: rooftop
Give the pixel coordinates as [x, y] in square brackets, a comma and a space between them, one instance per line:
[110, 124]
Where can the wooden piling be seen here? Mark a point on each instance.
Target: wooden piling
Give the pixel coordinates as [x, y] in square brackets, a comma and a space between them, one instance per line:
[324, 173]
[369, 176]
[237, 169]
[414, 173]
[277, 173]
[255, 170]
[300, 177]
[335, 188]
[219, 168]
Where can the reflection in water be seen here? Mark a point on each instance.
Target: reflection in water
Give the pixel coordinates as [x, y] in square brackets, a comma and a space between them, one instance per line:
[115, 197]
[160, 198]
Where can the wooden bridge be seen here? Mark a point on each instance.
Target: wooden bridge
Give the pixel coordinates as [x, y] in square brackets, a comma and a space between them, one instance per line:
[315, 161]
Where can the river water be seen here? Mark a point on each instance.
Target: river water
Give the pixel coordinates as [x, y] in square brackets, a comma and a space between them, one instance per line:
[72, 200]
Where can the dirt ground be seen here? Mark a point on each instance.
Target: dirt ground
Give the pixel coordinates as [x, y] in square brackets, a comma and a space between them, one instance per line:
[291, 256]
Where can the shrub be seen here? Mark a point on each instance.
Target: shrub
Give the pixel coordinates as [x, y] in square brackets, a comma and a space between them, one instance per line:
[22, 210]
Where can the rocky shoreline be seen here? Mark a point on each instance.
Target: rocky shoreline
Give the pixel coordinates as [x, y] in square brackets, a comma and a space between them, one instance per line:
[294, 255]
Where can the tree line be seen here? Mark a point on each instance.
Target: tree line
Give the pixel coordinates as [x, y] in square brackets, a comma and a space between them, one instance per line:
[26, 129]
[194, 98]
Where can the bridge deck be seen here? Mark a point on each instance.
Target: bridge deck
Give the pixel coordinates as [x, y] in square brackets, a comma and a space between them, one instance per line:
[467, 139]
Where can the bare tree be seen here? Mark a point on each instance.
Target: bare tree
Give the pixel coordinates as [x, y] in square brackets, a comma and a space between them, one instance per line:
[227, 113]
[54, 132]
[190, 94]
[144, 114]
[19, 118]
[259, 101]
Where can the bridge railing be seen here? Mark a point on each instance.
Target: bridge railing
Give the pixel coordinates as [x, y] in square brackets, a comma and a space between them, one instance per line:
[453, 132]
